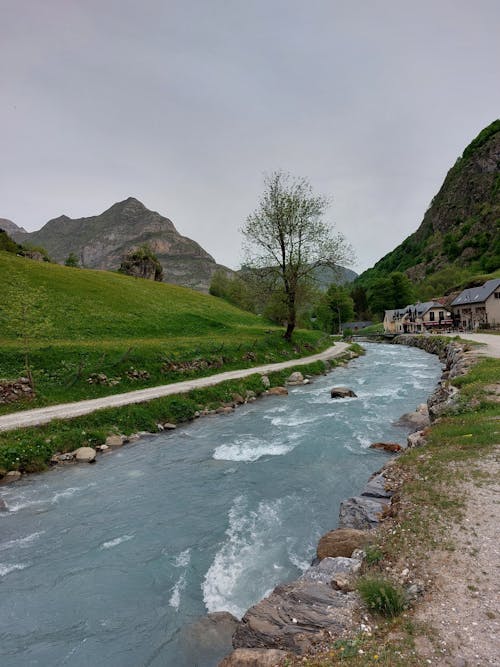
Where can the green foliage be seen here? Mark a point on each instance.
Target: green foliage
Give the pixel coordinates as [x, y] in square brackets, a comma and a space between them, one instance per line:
[360, 299]
[393, 291]
[334, 307]
[142, 263]
[286, 240]
[481, 139]
[72, 260]
[7, 244]
[373, 554]
[382, 596]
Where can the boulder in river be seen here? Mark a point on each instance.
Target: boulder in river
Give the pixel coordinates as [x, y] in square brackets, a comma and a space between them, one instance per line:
[115, 440]
[342, 392]
[387, 446]
[208, 638]
[3, 506]
[277, 391]
[415, 420]
[341, 542]
[254, 657]
[362, 512]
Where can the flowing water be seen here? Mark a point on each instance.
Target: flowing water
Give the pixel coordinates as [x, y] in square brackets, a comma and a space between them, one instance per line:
[112, 564]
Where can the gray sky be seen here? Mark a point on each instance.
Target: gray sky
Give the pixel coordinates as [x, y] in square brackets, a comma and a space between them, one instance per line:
[184, 104]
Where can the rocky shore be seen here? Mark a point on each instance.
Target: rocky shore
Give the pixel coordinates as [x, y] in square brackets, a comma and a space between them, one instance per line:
[322, 605]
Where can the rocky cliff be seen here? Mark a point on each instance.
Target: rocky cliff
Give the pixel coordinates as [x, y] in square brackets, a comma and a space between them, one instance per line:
[101, 242]
[462, 225]
[15, 232]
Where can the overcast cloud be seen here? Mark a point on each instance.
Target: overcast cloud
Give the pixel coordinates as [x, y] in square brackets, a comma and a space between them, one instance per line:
[185, 104]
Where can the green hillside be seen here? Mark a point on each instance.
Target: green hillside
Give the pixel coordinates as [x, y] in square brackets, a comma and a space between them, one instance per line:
[110, 324]
[459, 237]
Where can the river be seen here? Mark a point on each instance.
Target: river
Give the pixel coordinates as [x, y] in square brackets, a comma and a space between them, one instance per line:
[112, 564]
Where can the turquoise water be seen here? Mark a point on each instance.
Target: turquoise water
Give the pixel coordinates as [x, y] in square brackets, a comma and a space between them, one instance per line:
[112, 564]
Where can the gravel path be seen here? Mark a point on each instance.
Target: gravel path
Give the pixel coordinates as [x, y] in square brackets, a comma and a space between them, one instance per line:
[68, 410]
[464, 605]
[491, 342]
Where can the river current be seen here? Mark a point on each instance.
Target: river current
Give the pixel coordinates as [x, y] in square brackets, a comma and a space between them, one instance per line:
[113, 564]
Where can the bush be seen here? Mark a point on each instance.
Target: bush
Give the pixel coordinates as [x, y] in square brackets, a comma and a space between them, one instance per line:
[373, 554]
[381, 596]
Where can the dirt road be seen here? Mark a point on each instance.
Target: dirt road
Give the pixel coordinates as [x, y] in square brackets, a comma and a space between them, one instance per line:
[68, 410]
[491, 342]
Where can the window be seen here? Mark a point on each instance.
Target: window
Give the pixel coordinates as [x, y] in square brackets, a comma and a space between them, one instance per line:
[497, 295]
[431, 316]
[441, 315]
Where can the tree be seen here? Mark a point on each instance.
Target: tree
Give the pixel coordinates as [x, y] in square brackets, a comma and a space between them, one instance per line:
[24, 316]
[286, 240]
[142, 263]
[334, 307]
[72, 260]
[389, 292]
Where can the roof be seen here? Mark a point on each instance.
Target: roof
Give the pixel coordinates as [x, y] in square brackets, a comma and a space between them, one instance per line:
[476, 294]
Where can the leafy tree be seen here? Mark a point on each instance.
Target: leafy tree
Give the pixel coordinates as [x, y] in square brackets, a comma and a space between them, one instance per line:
[392, 291]
[7, 244]
[335, 306]
[286, 240]
[142, 263]
[26, 318]
[360, 298]
[72, 260]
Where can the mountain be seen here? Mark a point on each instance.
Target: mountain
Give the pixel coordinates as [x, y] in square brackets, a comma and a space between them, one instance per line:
[461, 227]
[12, 229]
[325, 276]
[101, 241]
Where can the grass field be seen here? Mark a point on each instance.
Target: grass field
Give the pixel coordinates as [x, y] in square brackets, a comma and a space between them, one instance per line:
[110, 333]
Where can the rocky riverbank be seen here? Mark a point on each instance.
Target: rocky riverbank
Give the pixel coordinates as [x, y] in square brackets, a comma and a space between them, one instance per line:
[322, 606]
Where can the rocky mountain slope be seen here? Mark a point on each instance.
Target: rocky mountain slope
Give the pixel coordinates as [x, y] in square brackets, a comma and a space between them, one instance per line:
[101, 242]
[12, 229]
[462, 225]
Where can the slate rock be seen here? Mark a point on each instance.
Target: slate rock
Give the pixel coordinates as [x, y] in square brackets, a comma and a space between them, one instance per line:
[297, 615]
[328, 568]
[376, 488]
[361, 512]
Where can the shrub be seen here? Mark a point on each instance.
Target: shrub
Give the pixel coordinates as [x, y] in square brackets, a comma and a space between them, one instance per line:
[381, 596]
[373, 554]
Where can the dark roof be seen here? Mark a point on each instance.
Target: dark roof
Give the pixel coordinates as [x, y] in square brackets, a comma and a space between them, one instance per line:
[476, 294]
[356, 325]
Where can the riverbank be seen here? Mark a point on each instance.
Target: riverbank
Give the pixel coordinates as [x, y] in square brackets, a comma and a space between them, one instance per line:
[33, 449]
[425, 505]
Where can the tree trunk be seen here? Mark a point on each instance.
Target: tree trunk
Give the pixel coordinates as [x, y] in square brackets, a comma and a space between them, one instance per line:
[289, 331]
[291, 319]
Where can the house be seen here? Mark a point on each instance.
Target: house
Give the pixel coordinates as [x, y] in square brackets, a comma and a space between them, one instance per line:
[478, 306]
[417, 318]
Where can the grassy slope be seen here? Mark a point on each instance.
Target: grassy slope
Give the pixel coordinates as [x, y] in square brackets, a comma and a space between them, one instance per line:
[109, 323]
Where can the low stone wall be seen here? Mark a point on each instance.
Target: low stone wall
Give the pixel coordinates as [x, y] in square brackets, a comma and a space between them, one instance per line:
[15, 390]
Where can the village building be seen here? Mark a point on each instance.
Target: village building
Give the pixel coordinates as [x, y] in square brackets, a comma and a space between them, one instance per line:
[418, 318]
[478, 307]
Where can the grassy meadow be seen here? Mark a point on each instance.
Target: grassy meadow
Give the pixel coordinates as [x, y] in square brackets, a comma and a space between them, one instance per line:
[85, 324]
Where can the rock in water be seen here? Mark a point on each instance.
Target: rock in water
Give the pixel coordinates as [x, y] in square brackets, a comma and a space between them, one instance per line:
[342, 392]
[254, 657]
[361, 512]
[12, 476]
[3, 506]
[209, 638]
[277, 391]
[341, 542]
[387, 446]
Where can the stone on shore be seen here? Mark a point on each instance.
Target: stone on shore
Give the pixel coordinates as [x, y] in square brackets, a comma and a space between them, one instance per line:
[362, 512]
[386, 446]
[85, 454]
[277, 391]
[296, 616]
[341, 542]
[328, 568]
[415, 420]
[295, 378]
[265, 381]
[254, 657]
[342, 392]
[10, 477]
[115, 440]
[376, 487]
[416, 439]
